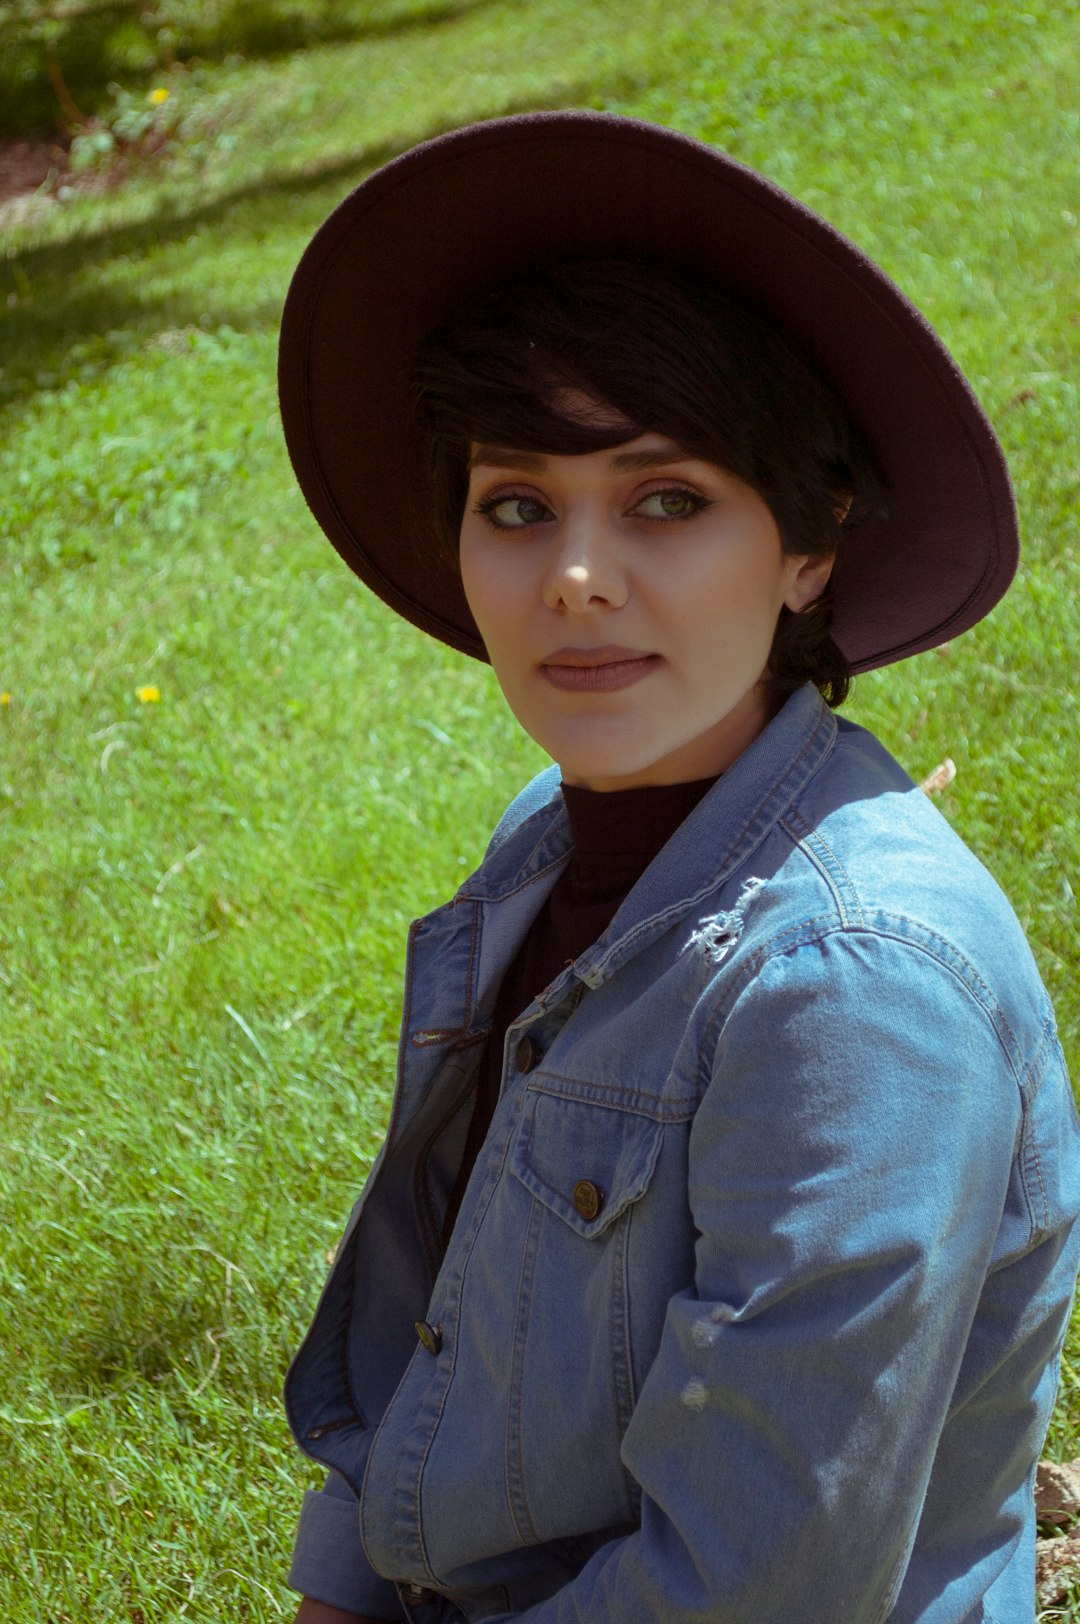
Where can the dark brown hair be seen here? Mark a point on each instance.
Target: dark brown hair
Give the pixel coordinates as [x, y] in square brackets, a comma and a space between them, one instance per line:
[672, 354]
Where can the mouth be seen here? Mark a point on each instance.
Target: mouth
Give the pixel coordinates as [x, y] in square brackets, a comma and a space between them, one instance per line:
[597, 670]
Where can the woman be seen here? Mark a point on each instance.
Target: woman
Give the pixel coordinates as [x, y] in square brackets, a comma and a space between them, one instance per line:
[719, 1254]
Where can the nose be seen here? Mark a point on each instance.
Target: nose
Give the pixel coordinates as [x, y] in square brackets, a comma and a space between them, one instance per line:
[586, 569]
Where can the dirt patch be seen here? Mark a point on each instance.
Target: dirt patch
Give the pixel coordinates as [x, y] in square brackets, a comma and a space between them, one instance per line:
[30, 172]
[27, 165]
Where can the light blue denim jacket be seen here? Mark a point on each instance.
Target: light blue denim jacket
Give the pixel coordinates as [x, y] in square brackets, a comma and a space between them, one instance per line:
[797, 1364]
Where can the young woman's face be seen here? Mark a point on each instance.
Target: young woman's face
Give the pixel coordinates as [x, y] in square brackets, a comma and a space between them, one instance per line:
[627, 600]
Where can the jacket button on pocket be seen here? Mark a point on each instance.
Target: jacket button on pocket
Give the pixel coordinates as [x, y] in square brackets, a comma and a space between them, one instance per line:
[588, 1198]
[527, 1055]
[430, 1336]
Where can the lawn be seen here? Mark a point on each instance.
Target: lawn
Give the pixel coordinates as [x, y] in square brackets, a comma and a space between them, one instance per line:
[228, 778]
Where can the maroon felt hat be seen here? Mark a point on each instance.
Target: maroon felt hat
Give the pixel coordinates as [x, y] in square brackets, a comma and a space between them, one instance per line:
[482, 205]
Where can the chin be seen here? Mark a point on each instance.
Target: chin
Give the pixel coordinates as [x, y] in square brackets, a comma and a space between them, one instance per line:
[617, 772]
[582, 766]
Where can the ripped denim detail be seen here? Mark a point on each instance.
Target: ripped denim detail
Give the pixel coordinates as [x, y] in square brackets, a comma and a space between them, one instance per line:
[717, 935]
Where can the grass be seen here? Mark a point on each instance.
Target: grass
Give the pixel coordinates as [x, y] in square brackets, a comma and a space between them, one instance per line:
[64, 61]
[203, 895]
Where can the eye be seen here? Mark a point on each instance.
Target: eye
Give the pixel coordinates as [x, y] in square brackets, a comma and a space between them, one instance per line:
[672, 502]
[512, 512]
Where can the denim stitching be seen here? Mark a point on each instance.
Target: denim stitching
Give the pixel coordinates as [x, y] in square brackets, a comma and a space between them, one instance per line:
[508, 825]
[569, 1087]
[430, 1227]
[474, 938]
[1035, 1073]
[515, 1486]
[524, 883]
[557, 1201]
[911, 933]
[395, 1113]
[924, 943]
[812, 843]
[343, 1338]
[415, 1491]
[428, 1036]
[625, 1394]
[764, 818]
[300, 1432]
[620, 1312]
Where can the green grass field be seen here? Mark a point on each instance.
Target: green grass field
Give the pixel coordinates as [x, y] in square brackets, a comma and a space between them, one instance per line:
[228, 778]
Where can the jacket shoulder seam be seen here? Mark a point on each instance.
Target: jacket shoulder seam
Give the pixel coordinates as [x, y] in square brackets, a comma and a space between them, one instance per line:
[822, 856]
[815, 931]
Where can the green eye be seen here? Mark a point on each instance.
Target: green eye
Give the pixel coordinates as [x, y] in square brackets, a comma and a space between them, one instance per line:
[524, 511]
[675, 503]
[513, 512]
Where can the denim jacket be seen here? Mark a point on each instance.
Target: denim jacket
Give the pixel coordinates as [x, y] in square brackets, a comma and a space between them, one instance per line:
[753, 1309]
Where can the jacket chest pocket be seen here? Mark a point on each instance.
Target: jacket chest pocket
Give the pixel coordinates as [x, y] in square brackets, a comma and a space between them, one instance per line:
[581, 1172]
[585, 1163]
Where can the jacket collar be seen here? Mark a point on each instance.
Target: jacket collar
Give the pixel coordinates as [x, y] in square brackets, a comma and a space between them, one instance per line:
[716, 840]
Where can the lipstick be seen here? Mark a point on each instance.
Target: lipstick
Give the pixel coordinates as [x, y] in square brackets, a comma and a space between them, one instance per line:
[597, 670]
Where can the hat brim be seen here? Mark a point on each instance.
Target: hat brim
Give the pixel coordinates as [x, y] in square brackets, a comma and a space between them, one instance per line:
[482, 205]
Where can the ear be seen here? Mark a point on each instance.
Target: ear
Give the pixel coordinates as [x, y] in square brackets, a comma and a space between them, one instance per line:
[807, 581]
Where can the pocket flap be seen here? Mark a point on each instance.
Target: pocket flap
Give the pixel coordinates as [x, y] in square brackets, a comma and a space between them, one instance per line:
[587, 1163]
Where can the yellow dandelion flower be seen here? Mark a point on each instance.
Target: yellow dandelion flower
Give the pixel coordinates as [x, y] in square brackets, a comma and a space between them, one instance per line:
[157, 96]
[5, 699]
[148, 695]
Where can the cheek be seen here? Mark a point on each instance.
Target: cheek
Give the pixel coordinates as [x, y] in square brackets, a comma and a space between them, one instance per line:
[494, 594]
[741, 594]
[475, 579]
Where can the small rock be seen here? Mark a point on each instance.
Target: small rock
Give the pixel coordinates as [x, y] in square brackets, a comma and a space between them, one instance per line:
[1057, 1493]
[1057, 1568]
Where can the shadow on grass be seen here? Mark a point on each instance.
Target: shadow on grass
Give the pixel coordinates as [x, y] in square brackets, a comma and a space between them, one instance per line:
[137, 1322]
[87, 61]
[281, 35]
[61, 321]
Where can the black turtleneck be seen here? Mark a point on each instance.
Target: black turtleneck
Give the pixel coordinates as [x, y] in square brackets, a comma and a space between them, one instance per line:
[617, 833]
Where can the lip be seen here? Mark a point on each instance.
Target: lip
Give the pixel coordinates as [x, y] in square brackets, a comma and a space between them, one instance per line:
[597, 670]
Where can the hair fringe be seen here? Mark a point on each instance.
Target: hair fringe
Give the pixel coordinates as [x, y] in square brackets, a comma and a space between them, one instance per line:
[670, 353]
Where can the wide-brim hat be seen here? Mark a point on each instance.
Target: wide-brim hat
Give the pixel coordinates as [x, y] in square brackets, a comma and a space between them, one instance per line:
[483, 205]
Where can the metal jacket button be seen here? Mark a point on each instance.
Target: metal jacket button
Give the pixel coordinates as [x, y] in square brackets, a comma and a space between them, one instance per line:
[430, 1336]
[527, 1055]
[588, 1198]
[418, 1593]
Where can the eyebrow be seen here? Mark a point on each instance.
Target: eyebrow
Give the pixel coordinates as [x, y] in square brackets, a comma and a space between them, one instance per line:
[489, 456]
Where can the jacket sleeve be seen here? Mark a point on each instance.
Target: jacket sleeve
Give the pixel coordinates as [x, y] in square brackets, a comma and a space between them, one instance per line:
[328, 1562]
[848, 1169]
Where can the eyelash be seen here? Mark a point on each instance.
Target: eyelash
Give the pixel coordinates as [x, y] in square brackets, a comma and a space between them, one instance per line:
[487, 505]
